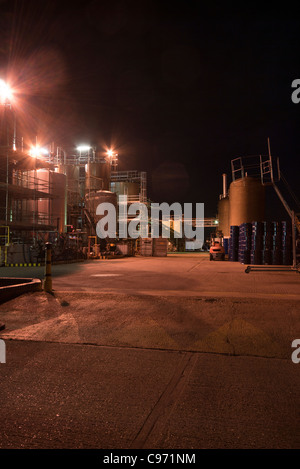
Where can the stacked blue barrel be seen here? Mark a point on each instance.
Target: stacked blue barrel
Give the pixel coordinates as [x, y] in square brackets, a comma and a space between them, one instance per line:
[287, 244]
[276, 256]
[258, 239]
[233, 245]
[268, 243]
[245, 232]
[226, 245]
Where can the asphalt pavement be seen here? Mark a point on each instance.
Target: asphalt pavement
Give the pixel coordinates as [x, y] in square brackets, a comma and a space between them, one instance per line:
[163, 353]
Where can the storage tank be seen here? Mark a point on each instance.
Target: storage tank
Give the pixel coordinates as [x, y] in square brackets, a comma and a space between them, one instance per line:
[93, 199]
[223, 216]
[126, 188]
[38, 210]
[97, 176]
[72, 173]
[58, 204]
[51, 210]
[246, 201]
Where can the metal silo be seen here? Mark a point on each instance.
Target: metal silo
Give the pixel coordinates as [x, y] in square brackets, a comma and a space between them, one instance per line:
[131, 189]
[93, 199]
[223, 216]
[58, 203]
[246, 201]
[51, 209]
[72, 173]
[97, 176]
[37, 210]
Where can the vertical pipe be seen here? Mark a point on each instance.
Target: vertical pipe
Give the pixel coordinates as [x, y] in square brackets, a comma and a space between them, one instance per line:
[294, 240]
[7, 168]
[270, 161]
[224, 185]
[48, 276]
[15, 132]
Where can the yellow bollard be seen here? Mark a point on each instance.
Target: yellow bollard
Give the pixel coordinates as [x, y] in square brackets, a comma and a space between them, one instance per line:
[48, 276]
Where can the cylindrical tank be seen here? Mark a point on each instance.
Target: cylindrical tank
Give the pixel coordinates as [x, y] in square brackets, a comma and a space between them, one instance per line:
[72, 173]
[58, 211]
[97, 176]
[93, 199]
[73, 185]
[246, 201]
[37, 211]
[223, 216]
[126, 188]
[52, 208]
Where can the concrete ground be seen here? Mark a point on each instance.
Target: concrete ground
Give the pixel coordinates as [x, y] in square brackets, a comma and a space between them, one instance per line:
[165, 353]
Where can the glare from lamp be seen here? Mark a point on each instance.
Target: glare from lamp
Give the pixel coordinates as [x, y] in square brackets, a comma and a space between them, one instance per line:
[6, 93]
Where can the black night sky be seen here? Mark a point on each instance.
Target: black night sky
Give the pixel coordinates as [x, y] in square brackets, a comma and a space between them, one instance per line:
[178, 89]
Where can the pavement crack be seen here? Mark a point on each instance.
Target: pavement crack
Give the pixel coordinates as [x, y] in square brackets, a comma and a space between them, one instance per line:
[228, 341]
[166, 402]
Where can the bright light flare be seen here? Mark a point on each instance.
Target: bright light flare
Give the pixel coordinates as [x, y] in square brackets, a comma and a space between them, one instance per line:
[36, 151]
[111, 153]
[6, 94]
[83, 148]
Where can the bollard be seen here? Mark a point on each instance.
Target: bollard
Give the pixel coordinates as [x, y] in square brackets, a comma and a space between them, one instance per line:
[2, 352]
[48, 276]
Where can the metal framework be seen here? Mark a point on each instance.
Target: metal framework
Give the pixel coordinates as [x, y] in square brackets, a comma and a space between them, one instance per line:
[139, 177]
[20, 189]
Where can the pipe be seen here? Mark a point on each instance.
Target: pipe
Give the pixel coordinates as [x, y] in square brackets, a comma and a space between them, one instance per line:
[224, 185]
[48, 275]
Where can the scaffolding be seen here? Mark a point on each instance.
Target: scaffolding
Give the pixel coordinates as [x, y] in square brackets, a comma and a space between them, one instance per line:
[4, 243]
[25, 197]
[139, 177]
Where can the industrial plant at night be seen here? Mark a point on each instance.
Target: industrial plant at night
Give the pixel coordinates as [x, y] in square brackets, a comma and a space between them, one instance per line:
[149, 230]
[51, 194]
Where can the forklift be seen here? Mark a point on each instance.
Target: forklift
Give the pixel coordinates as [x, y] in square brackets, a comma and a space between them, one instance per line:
[216, 251]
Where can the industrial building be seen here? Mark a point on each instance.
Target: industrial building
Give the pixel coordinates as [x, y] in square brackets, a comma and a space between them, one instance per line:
[244, 227]
[48, 195]
[51, 194]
